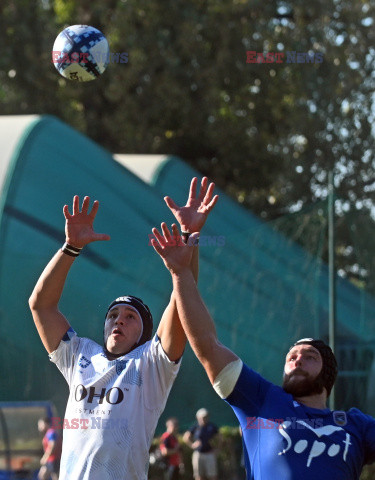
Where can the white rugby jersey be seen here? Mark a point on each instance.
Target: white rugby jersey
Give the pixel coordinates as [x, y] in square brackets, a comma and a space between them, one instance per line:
[113, 408]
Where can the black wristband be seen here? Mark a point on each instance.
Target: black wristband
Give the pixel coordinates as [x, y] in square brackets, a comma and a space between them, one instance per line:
[185, 236]
[70, 250]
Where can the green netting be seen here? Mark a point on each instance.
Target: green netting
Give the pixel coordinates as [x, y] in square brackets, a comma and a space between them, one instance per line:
[263, 286]
[268, 286]
[53, 163]
[355, 343]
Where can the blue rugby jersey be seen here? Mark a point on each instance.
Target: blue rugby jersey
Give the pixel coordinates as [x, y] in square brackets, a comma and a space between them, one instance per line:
[286, 440]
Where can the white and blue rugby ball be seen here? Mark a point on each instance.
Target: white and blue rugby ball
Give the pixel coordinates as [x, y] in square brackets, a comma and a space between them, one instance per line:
[80, 53]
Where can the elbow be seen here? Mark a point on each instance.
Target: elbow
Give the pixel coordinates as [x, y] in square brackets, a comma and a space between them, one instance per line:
[33, 302]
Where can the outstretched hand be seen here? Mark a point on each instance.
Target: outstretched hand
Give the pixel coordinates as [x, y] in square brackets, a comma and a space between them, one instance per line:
[175, 253]
[193, 215]
[79, 229]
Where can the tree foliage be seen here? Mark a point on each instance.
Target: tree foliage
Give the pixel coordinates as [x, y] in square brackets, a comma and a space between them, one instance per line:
[267, 133]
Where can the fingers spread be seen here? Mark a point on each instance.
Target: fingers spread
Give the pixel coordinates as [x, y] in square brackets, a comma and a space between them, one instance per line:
[168, 239]
[102, 236]
[157, 247]
[203, 189]
[209, 193]
[66, 212]
[171, 204]
[213, 202]
[158, 237]
[94, 209]
[75, 204]
[166, 232]
[193, 188]
[176, 233]
[85, 205]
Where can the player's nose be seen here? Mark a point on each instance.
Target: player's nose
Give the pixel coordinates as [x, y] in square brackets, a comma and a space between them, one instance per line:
[298, 361]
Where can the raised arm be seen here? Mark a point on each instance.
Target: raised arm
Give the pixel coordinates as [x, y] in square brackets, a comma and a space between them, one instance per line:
[50, 322]
[191, 218]
[194, 316]
[193, 215]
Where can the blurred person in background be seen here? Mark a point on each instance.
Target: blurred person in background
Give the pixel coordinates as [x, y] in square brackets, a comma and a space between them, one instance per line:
[199, 438]
[50, 462]
[171, 450]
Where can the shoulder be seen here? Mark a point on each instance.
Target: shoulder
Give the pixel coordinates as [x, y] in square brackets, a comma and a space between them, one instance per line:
[251, 382]
[164, 436]
[51, 434]
[71, 338]
[252, 392]
[193, 428]
[89, 343]
[152, 351]
[86, 350]
[357, 414]
[140, 351]
[358, 417]
[73, 346]
[364, 426]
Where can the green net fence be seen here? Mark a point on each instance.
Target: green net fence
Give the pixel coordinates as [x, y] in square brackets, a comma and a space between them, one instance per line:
[265, 284]
[353, 262]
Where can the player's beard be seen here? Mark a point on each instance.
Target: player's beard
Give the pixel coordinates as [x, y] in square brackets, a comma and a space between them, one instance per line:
[303, 387]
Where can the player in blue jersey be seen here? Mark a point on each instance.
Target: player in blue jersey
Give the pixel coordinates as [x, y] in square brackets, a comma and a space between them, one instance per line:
[117, 390]
[288, 432]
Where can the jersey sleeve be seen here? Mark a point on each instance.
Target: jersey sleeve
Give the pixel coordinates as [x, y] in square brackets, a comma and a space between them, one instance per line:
[193, 428]
[159, 373]
[66, 354]
[249, 392]
[368, 434]
[226, 380]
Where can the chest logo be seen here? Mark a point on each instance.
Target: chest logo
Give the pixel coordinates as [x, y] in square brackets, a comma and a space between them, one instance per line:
[120, 366]
[317, 447]
[84, 362]
[340, 418]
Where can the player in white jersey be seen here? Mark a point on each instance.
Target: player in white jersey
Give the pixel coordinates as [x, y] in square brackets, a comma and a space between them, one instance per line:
[119, 390]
